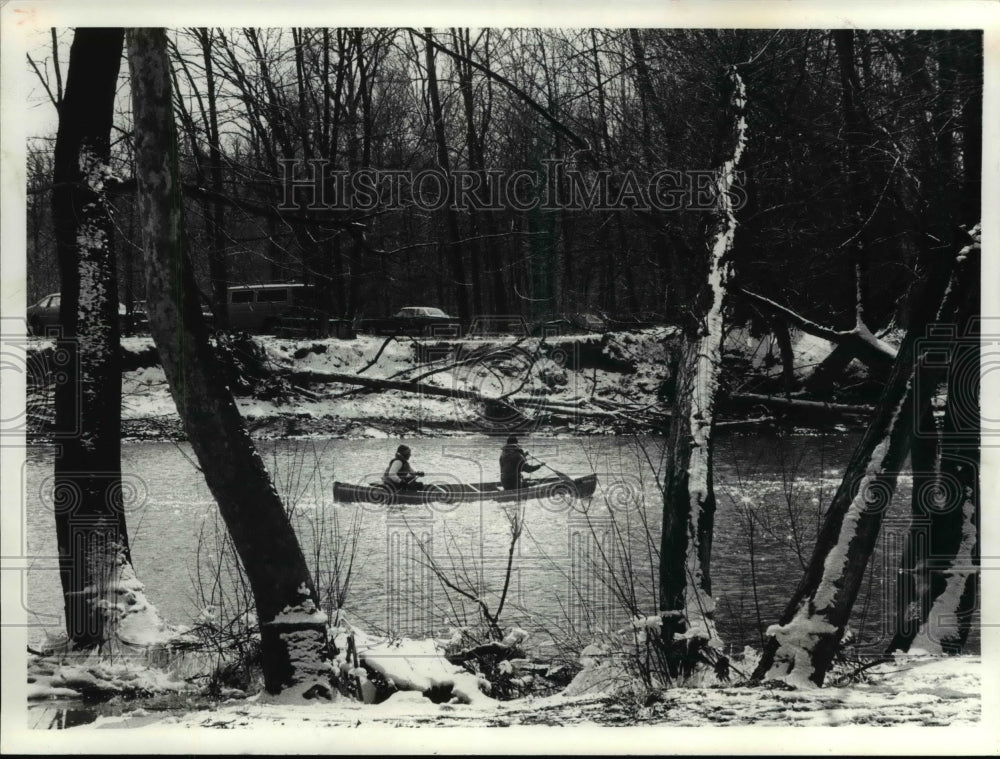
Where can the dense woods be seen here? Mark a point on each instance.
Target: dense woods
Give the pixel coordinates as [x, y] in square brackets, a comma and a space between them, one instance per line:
[826, 181]
[862, 157]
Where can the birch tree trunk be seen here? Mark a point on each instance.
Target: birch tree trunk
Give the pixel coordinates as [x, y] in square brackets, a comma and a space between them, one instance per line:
[686, 602]
[293, 629]
[801, 648]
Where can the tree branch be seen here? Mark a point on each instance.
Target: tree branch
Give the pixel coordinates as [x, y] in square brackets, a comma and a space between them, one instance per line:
[865, 346]
[44, 81]
[573, 137]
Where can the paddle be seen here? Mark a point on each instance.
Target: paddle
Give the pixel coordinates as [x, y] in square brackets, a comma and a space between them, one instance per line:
[561, 474]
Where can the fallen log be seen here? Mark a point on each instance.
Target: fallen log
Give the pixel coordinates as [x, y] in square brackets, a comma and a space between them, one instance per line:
[405, 387]
[730, 423]
[797, 404]
[569, 411]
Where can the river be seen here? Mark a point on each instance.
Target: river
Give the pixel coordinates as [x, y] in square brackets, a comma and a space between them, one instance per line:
[577, 568]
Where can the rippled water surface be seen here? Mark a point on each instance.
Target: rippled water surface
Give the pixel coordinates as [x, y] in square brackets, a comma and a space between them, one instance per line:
[577, 566]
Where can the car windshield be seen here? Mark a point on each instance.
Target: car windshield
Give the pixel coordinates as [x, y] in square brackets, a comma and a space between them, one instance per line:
[411, 311]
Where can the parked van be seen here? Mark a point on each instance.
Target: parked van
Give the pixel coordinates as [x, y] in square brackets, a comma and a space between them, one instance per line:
[261, 308]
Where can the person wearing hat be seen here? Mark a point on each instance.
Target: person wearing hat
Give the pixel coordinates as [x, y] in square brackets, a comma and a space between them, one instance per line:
[513, 464]
[399, 475]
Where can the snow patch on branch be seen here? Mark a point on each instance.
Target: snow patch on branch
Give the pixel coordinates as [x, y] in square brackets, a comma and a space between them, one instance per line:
[976, 234]
[862, 332]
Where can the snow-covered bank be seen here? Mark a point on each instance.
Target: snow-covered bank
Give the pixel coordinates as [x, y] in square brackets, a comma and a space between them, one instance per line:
[584, 383]
[939, 692]
[578, 384]
[930, 692]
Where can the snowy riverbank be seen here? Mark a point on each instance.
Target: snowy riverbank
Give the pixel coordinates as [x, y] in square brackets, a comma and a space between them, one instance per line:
[943, 694]
[572, 384]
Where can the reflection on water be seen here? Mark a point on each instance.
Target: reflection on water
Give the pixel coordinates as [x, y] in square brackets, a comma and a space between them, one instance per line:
[60, 715]
[578, 567]
[63, 714]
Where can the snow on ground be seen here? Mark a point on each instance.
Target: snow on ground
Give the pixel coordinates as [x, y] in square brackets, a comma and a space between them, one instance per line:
[924, 691]
[94, 674]
[145, 395]
[942, 693]
[607, 376]
[557, 377]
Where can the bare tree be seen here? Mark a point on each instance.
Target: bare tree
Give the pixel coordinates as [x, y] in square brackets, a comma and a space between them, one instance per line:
[454, 245]
[686, 602]
[293, 629]
[802, 646]
[936, 582]
[90, 523]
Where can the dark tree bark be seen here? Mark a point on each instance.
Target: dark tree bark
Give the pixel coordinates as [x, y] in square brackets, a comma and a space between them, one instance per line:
[90, 523]
[454, 245]
[784, 340]
[856, 140]
[476, 163]
[801, 648]
[294, 643]
[218, 266]
[937, 586]
[971, 56]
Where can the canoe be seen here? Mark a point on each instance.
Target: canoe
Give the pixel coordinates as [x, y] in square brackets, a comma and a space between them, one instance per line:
[553, 489]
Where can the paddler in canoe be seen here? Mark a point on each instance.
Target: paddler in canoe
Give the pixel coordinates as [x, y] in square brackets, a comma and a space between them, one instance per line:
[513, 465]
[399, 475]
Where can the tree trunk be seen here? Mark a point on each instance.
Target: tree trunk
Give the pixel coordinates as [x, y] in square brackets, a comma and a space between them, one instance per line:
[294, 643]
[801, 648]
[854, 137]
[972, 130]
[218, 266]
[784, 340]
[464, 71]
[938, 578]
[686, 602]
[912, 581]
[454, 246]
[90, 523]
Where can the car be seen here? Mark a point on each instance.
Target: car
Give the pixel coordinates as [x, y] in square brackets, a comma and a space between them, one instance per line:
[414, 320]
[44, 315]
[262, 308]
[139, 320]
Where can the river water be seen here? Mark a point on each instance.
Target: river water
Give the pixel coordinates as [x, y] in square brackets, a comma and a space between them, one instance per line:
[578, 567]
